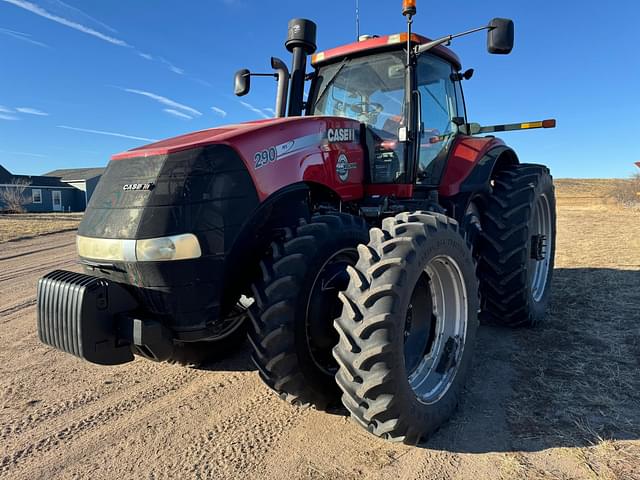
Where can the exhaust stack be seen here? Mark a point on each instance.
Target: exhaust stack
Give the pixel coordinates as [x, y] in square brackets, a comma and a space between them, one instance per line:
[301, 42]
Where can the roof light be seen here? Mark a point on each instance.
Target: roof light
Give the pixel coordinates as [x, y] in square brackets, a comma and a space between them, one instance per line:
[408, 7]
[397, 38]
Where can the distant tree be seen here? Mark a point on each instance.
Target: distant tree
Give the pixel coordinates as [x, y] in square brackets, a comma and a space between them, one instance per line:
[628, 192]
[13, 197]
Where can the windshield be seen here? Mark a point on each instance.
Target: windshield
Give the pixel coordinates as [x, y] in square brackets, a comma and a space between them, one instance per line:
[367, 89]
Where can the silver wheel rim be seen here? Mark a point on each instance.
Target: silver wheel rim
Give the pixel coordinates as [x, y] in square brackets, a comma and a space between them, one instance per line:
[435, 373]
[543, 228]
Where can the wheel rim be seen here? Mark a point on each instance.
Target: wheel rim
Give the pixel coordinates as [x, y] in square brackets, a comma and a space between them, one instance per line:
[435, 329]
[323, 306]
[541, 247]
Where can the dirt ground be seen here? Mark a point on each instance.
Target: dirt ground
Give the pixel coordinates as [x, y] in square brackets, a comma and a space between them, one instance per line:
[561, 401]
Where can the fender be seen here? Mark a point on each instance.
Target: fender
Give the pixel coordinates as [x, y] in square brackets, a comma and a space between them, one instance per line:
[283, 208]
[477, 172]
[479, 178]
[466, 154]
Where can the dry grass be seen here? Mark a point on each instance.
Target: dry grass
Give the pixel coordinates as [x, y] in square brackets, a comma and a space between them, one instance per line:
[577, 375]
[588, 192]
[20, 226]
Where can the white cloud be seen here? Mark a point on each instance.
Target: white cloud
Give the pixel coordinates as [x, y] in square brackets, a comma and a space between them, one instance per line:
[32, 111]
[38, 10]
[25, 37]
[102, 132]
[164, 100]
[202, 82]
[219, 111]
[270, 110]
[33, 8]
[171, 66]
[25, 154]
[85, 15]
[254, 109]
[178, 114]
[5, 109]
[4, 116]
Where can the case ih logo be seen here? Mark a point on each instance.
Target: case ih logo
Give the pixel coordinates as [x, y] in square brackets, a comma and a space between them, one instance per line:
[138, 186]
[335, 135]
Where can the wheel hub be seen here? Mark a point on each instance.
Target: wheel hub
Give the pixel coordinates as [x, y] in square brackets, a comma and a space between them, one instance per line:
[538, 247]
[435, 329]
[540, 257]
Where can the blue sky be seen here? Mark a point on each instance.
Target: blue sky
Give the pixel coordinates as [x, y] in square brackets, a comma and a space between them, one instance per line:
[152, 69]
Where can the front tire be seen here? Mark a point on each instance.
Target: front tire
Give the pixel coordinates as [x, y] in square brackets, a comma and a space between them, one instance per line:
[296, 302]
[408, 327]
[517, 248]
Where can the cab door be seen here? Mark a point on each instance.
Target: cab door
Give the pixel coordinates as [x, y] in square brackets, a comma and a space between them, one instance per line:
[439, 117]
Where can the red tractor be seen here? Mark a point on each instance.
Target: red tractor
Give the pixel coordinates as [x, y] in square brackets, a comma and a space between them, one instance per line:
[358, 239]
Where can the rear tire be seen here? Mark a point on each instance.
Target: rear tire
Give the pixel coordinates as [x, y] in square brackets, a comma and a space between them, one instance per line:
[295, 305]
[514, 285]
[408, 327]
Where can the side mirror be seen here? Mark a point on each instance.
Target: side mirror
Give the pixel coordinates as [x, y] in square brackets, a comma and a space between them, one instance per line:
[242, 82]
[500, 36]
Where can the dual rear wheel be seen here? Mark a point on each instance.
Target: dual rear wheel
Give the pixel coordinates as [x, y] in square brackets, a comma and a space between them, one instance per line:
[405, 301]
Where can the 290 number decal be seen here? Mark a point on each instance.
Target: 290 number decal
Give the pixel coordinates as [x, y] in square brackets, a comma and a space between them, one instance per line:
[265, 157]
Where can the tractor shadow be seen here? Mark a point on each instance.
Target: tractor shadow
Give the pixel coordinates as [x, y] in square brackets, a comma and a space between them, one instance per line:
[570, 382]
[239, 361]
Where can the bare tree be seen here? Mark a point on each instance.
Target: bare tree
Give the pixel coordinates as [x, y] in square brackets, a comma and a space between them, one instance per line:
[627, 192]
[13, 196]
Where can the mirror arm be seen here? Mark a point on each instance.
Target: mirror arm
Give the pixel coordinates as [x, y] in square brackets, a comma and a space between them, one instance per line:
[447, 40]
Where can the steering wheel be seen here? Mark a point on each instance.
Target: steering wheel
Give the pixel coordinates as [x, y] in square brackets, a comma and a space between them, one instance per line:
[366, 108]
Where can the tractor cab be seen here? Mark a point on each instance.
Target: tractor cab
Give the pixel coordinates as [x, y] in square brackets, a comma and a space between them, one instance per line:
[366, 81]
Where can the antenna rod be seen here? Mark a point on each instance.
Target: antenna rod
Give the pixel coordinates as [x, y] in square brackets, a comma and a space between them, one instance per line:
[357, 20]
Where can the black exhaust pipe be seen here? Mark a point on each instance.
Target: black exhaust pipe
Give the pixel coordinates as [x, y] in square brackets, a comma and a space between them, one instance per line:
[301, 41]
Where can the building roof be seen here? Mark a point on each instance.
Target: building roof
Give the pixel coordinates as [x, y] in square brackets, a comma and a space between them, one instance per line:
[6, 177]
[74, 174]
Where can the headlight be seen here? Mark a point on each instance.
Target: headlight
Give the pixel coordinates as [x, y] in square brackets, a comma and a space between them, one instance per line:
[176, 247]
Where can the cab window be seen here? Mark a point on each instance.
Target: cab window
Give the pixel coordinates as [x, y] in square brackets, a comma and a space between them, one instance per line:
[438, 109]
[369, 89]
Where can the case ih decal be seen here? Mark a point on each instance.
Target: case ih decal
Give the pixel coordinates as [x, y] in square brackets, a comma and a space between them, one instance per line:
[336, 135]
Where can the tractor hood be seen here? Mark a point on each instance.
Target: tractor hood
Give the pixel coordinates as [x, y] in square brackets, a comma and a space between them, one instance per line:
[276, 152]
[224, 134]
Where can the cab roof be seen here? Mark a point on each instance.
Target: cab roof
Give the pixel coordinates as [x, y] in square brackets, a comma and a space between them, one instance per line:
[385, 42]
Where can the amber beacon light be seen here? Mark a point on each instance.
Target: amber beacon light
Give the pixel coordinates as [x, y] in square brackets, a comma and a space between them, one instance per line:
[408, 7]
